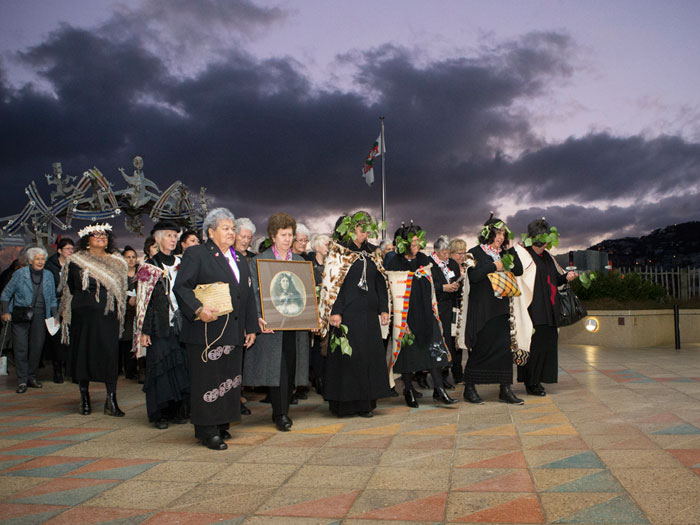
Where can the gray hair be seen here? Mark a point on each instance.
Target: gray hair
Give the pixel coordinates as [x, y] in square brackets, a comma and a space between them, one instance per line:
[319, 238]
[303, 230]
[384, 243]
[213, 218]
[244, 223]
[34, 251]
[158, 235]
[442, 243]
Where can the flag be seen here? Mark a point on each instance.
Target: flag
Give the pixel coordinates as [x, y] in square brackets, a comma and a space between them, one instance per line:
[368, 169]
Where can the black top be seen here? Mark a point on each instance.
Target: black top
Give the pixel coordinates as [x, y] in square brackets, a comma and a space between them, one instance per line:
[483, 305]
[545, 306]
[446, 300]
[157, 319]
[375, 298]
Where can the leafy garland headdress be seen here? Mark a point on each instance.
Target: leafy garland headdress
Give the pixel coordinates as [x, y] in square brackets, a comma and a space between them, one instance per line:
[548, 238]
[345, 230]
[404, 237]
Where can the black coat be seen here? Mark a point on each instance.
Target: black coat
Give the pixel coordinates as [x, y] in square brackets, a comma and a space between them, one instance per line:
[157, 319]
[483, 305]
[446, 300]
[206, 264]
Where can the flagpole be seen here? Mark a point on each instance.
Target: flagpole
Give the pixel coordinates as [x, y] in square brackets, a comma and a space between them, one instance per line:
[383, 152]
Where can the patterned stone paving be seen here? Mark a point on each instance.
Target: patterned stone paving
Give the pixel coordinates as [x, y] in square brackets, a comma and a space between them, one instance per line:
[616, 441]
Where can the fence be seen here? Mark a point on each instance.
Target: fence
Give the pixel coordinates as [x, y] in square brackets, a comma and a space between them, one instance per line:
[681, 283]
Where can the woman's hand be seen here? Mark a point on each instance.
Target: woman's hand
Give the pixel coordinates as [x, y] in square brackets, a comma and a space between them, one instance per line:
[571, 276]
[6, 317]
[207, 315]
[263, 326]
[145, 340]
[384, 318]
[335, 320]
[499, 266]
[249, 340]
[132, 301]
[452, 287]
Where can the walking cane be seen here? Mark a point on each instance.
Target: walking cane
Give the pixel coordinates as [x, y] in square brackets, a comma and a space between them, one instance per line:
[3, 358]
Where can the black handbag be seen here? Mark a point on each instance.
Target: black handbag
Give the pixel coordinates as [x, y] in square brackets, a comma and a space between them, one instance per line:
[22, 314]
[571, 308]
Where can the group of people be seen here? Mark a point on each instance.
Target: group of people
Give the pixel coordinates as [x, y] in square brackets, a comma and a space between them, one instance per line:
[116, 314]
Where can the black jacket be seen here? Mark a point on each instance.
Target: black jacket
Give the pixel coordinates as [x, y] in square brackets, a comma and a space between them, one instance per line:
[157, 319]
[206, 264]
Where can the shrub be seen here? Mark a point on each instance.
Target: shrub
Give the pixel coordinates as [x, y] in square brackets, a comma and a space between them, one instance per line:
[621, 287]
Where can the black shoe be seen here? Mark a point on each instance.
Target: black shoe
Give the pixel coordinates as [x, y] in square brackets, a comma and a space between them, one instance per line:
[161, 424]
[410, 399]
[539, 385]
[215, 443]
[393, 392]
[111, 407]
[34, 383]
[366, 414]
[300, 394]
[534, 390]
[471, 395]
[57, 375]
[85, 408]
[506, 395]
[318, 384]
[21, 389]
[440, 396]
[245, 410]
[417, 393]
[447, 385]
[224, 434]
[422, 381]
[283, 423]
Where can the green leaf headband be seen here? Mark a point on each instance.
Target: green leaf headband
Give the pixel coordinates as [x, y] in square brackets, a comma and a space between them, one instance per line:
[486, 230]
[549, 239]
[346, 228]
[402, 245]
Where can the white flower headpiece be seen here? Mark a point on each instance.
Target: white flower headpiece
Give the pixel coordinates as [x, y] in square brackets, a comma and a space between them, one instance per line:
[94, 228]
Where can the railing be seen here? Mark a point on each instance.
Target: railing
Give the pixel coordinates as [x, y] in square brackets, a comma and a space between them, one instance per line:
[681, 283]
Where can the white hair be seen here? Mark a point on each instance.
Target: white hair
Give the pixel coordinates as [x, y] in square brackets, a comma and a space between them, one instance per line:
[319, 238]
[303, 230]
[244, 223]
[213, 218]
[442, 243]
[384, 243]
[158, 235]
[34, 251]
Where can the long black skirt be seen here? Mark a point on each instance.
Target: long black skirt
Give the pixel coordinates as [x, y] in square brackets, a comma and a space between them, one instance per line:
[94, 342]
[490, 361]
[167, 378]
[543, 364]
[215, 384]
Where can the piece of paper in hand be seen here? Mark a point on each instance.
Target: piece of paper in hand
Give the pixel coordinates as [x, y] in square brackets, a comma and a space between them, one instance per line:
[52, 325]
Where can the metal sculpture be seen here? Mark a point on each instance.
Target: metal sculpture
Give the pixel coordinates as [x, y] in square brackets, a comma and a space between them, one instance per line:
[92, 199]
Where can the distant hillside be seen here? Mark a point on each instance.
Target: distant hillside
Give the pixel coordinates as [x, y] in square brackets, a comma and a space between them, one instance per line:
[672, 246]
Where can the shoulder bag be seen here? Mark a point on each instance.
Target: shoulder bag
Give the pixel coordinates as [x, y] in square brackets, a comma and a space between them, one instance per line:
[571, 308]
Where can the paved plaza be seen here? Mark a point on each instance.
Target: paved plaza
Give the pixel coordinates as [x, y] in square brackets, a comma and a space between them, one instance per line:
[616, 441]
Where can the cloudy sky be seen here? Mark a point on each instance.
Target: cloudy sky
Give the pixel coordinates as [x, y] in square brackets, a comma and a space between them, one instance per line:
[587, 113]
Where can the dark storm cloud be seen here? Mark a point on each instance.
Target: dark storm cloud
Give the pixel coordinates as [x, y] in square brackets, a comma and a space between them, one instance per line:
[263, 138]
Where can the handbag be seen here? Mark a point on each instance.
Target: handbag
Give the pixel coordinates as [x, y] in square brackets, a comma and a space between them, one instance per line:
[571, 308]
[504, 284]
[215, 296]
[22, 314]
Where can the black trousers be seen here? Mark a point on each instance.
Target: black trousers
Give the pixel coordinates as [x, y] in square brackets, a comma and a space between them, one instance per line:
[208, 431]
[281, 396]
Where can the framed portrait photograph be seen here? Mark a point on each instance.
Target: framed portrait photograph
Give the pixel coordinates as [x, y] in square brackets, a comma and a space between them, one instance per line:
[288, 294]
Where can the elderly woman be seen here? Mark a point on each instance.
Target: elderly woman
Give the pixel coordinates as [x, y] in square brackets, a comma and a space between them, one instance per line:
[458, 256]
[488, 326]
[158, 324]
[93, 305]
[279, 360]
[542, 365]
[427, 350]
[446, 276]
[28, 299]
[355, 295]
[301, 241]
[215, 342]
[245, 229]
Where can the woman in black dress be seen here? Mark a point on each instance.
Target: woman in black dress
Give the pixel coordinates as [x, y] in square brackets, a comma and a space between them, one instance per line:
[542, 366]
[488, 325]
[93, 305]
[428, 350]
[354, 294]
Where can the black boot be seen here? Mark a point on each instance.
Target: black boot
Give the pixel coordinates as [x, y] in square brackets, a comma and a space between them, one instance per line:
[85, 408]
[440, 396]
[506, 395]
[410, 398]
[111, 407]
[57, 372]
[471, 395]
[422, 379]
